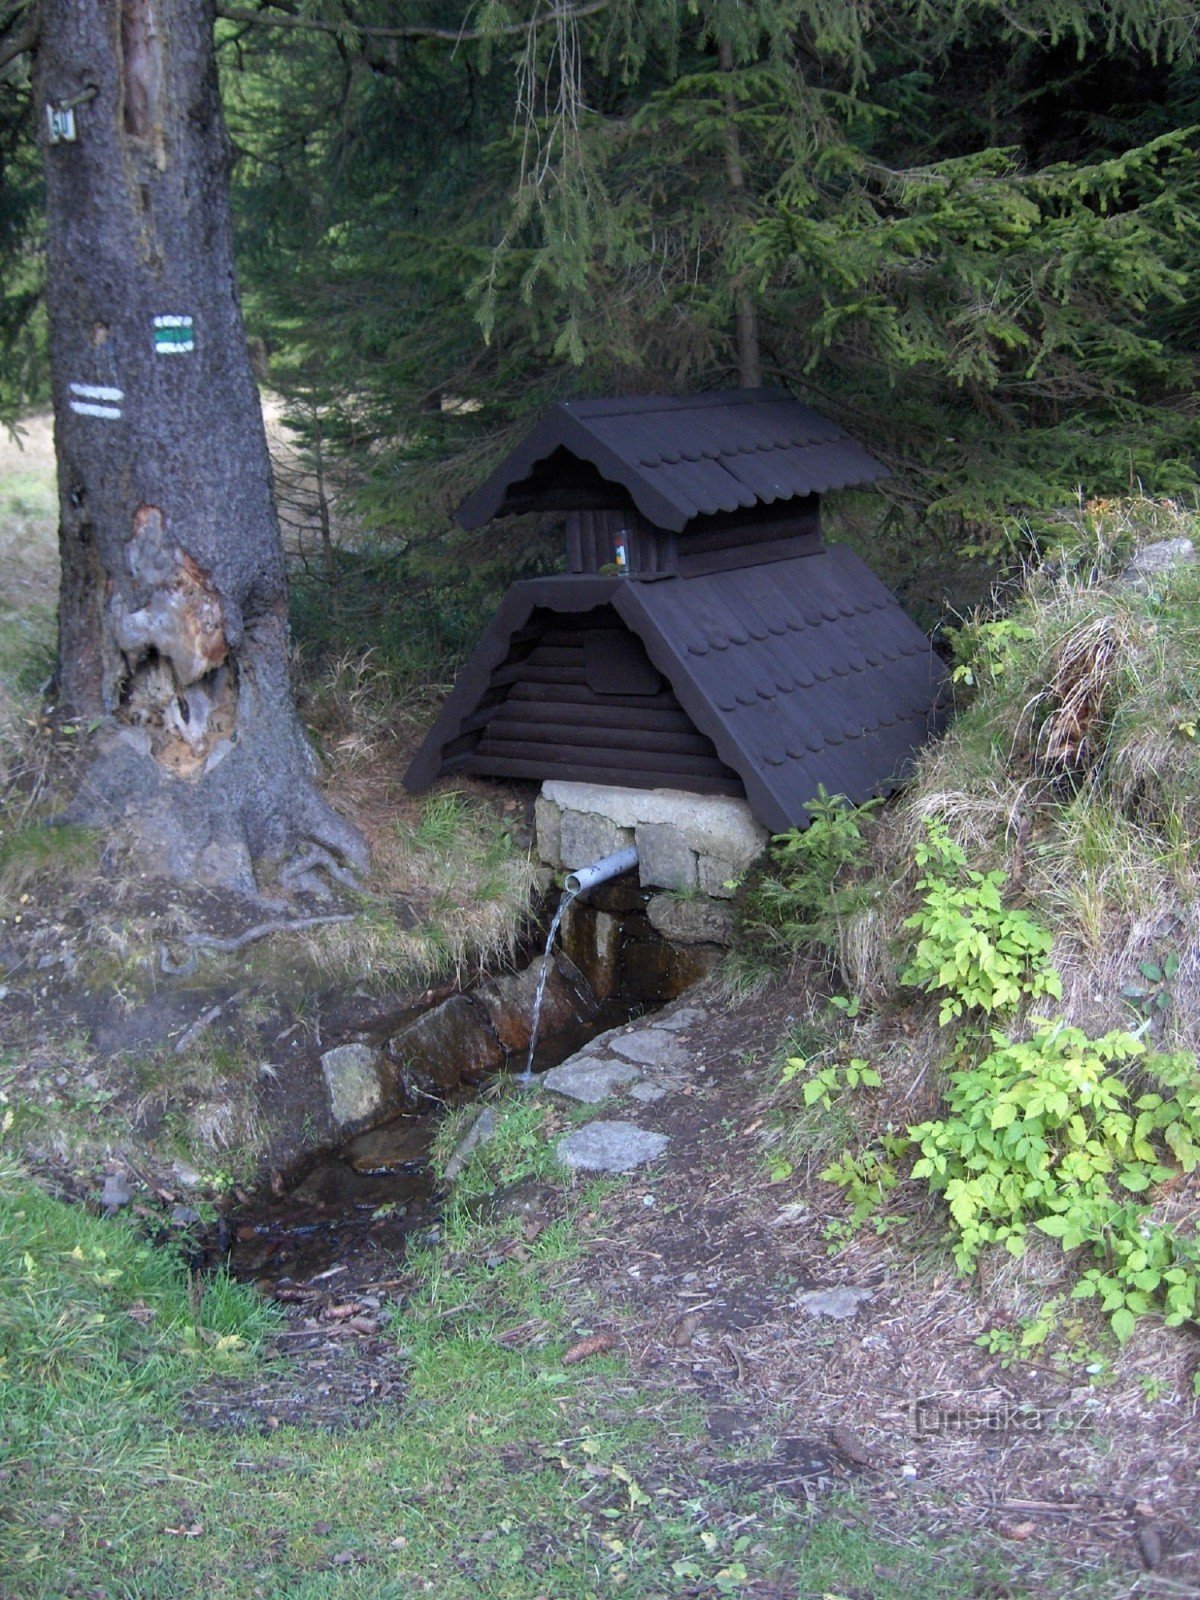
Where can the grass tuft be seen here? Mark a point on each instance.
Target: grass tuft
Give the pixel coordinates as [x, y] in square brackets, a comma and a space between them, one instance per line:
[37, 852]
[1074, 766]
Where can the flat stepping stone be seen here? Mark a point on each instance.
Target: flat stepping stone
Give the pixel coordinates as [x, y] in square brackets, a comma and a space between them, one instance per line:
[652, 1048]
[840, 1303]
[648, 1093]
[610, 1147]
[588, 1079]
[683, 1018]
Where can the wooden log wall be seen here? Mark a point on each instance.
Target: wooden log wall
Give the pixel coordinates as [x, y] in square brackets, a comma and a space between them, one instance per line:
[592, 537]
[542, 718]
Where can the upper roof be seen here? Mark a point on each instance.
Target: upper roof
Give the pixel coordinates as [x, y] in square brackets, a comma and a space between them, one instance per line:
[684, 456]
[802, 673]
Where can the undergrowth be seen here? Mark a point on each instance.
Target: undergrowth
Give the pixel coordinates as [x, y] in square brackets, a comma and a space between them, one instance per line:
[805, 898]
[1072, 768]
[1043, 856]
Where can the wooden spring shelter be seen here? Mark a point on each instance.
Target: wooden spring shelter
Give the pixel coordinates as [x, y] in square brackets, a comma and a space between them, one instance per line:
[704, 638]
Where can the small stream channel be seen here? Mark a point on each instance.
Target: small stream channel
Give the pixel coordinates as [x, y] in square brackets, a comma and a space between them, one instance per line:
[353, 1207]
[366, 1198]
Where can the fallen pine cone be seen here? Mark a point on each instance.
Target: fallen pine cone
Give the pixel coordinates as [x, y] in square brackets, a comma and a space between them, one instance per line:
[596, 1345]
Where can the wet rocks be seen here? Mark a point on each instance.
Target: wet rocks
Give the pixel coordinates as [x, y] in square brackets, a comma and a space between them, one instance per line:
[355, 1084]
[593, 938]
[454, 1042]
[610, 934]
[660, 970]
[588, 1080]
[508, 1003]
[468, 1036]
[398, 1143]
[610, 1147]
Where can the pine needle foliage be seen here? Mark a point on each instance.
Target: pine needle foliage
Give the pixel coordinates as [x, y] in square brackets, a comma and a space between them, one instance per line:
[945, 244]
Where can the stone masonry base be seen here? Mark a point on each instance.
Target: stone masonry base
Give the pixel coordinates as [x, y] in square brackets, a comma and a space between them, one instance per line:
[688, 842]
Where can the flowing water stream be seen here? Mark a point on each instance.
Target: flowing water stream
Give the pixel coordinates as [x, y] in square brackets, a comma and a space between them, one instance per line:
[566, 900]
[352, 1211]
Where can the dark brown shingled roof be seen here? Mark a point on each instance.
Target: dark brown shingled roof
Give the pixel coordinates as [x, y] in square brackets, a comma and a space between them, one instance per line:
[802, 673]
[685, 456]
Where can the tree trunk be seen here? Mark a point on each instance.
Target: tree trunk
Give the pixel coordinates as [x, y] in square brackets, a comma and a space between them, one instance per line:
[749, 355]
[173, 629]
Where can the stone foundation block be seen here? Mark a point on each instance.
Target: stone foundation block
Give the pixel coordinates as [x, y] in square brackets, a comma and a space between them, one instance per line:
[587, 836]
[698, 921]
[547, 825]
[715, 836]
[715, 874]
[665, 859]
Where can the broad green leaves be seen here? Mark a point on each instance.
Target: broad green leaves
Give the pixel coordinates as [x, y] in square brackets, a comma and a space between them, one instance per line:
[1043, 1131]
[979, 954]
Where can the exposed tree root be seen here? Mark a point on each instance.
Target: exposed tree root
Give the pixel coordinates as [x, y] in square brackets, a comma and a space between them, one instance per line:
[204, 941]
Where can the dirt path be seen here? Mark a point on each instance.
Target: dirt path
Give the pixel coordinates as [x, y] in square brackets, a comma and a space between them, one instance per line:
[862, 1361]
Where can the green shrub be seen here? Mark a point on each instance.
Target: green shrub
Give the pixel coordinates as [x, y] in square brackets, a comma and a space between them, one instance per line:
[981, 954]
[814, 887]
[1041, 1132]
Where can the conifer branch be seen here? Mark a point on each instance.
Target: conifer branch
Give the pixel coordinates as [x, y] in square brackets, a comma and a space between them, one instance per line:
[275, 15]
[16, 39]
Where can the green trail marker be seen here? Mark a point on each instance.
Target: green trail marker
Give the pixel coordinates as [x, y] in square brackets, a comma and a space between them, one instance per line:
[173, 336]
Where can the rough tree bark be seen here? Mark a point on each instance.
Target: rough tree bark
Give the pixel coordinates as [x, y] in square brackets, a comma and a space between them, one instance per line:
[173, 608]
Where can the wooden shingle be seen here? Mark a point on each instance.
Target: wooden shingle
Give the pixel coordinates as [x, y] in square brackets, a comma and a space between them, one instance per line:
[739, 656]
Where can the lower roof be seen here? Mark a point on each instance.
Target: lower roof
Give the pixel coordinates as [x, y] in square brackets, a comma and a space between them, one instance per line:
[804, 673]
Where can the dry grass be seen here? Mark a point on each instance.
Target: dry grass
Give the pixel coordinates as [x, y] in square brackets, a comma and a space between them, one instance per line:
[451, 882]
[1076, 769]
[28, 587]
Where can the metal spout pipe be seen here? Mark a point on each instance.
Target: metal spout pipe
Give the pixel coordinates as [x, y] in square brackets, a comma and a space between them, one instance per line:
[601, 871]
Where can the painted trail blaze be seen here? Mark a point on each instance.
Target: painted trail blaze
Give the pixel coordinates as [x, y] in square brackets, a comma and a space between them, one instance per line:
[173, 336]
